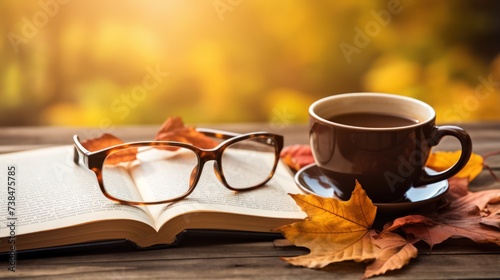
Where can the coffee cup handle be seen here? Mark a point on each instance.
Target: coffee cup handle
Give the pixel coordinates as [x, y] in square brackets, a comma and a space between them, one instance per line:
[465, 142]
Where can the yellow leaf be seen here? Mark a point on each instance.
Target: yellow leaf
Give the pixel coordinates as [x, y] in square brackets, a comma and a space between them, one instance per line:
[441, 161]
[334, 230]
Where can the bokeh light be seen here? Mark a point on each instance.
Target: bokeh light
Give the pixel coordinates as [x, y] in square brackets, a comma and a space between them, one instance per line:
[103, 63]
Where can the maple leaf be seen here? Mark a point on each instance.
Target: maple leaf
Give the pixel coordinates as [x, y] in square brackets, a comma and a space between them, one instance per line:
[173, 129]
[440, 161]
[297, 156]
[334, 230]
[108, 140]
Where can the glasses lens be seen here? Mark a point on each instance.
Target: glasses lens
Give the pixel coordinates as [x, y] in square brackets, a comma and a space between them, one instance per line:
[152, 175]
[249, 163]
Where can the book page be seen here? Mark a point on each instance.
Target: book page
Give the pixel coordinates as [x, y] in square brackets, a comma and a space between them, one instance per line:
[163, 174]
[270, 200]
[52, 191]
[118, 183]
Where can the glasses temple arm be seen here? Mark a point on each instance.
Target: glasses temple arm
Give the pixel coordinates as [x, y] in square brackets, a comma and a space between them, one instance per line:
[76, 156]
[220, 134]
[79, 149]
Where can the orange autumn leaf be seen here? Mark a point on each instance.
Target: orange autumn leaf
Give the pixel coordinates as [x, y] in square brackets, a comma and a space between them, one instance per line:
[99, 143]
[395, 252]
[297, 156]
[173, 129]
[417, 225]
[108, 140]
[441, 161]
[336, 231]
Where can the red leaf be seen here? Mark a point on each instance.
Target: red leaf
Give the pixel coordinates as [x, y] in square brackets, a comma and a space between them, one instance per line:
[173, 129]
[297, 156]
[105, 141]
[108, 140]
[461, 218]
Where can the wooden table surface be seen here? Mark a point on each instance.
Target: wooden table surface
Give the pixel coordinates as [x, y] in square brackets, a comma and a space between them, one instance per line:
[200, 256]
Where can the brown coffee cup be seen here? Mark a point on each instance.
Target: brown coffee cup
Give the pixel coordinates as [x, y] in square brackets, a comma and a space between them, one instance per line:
[381, 140]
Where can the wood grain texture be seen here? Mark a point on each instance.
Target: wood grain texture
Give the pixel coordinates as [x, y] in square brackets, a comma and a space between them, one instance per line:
[222, 257]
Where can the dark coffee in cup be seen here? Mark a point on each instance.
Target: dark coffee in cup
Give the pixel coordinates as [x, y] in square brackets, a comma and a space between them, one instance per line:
[381, 140]
[372, 120]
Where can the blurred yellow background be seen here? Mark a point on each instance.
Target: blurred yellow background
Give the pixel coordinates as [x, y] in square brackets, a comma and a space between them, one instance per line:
[105, 63]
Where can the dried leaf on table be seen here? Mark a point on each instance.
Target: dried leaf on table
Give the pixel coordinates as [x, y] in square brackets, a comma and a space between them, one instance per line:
[297, 156]
[108, 140]
[421, 227]
[467, 215]
[336, 230]
[173, 129]
[490, 215]
[458, 187]
[441, 161]
[104, 141]
[487, 201]
[395, 252]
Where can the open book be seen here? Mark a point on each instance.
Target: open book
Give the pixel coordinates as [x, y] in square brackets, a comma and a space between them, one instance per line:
[55, 202]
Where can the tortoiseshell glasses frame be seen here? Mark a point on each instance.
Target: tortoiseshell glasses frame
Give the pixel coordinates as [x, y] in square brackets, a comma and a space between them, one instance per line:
[95, 160]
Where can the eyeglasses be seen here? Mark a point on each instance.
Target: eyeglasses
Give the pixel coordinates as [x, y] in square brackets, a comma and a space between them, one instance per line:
[167, 171]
